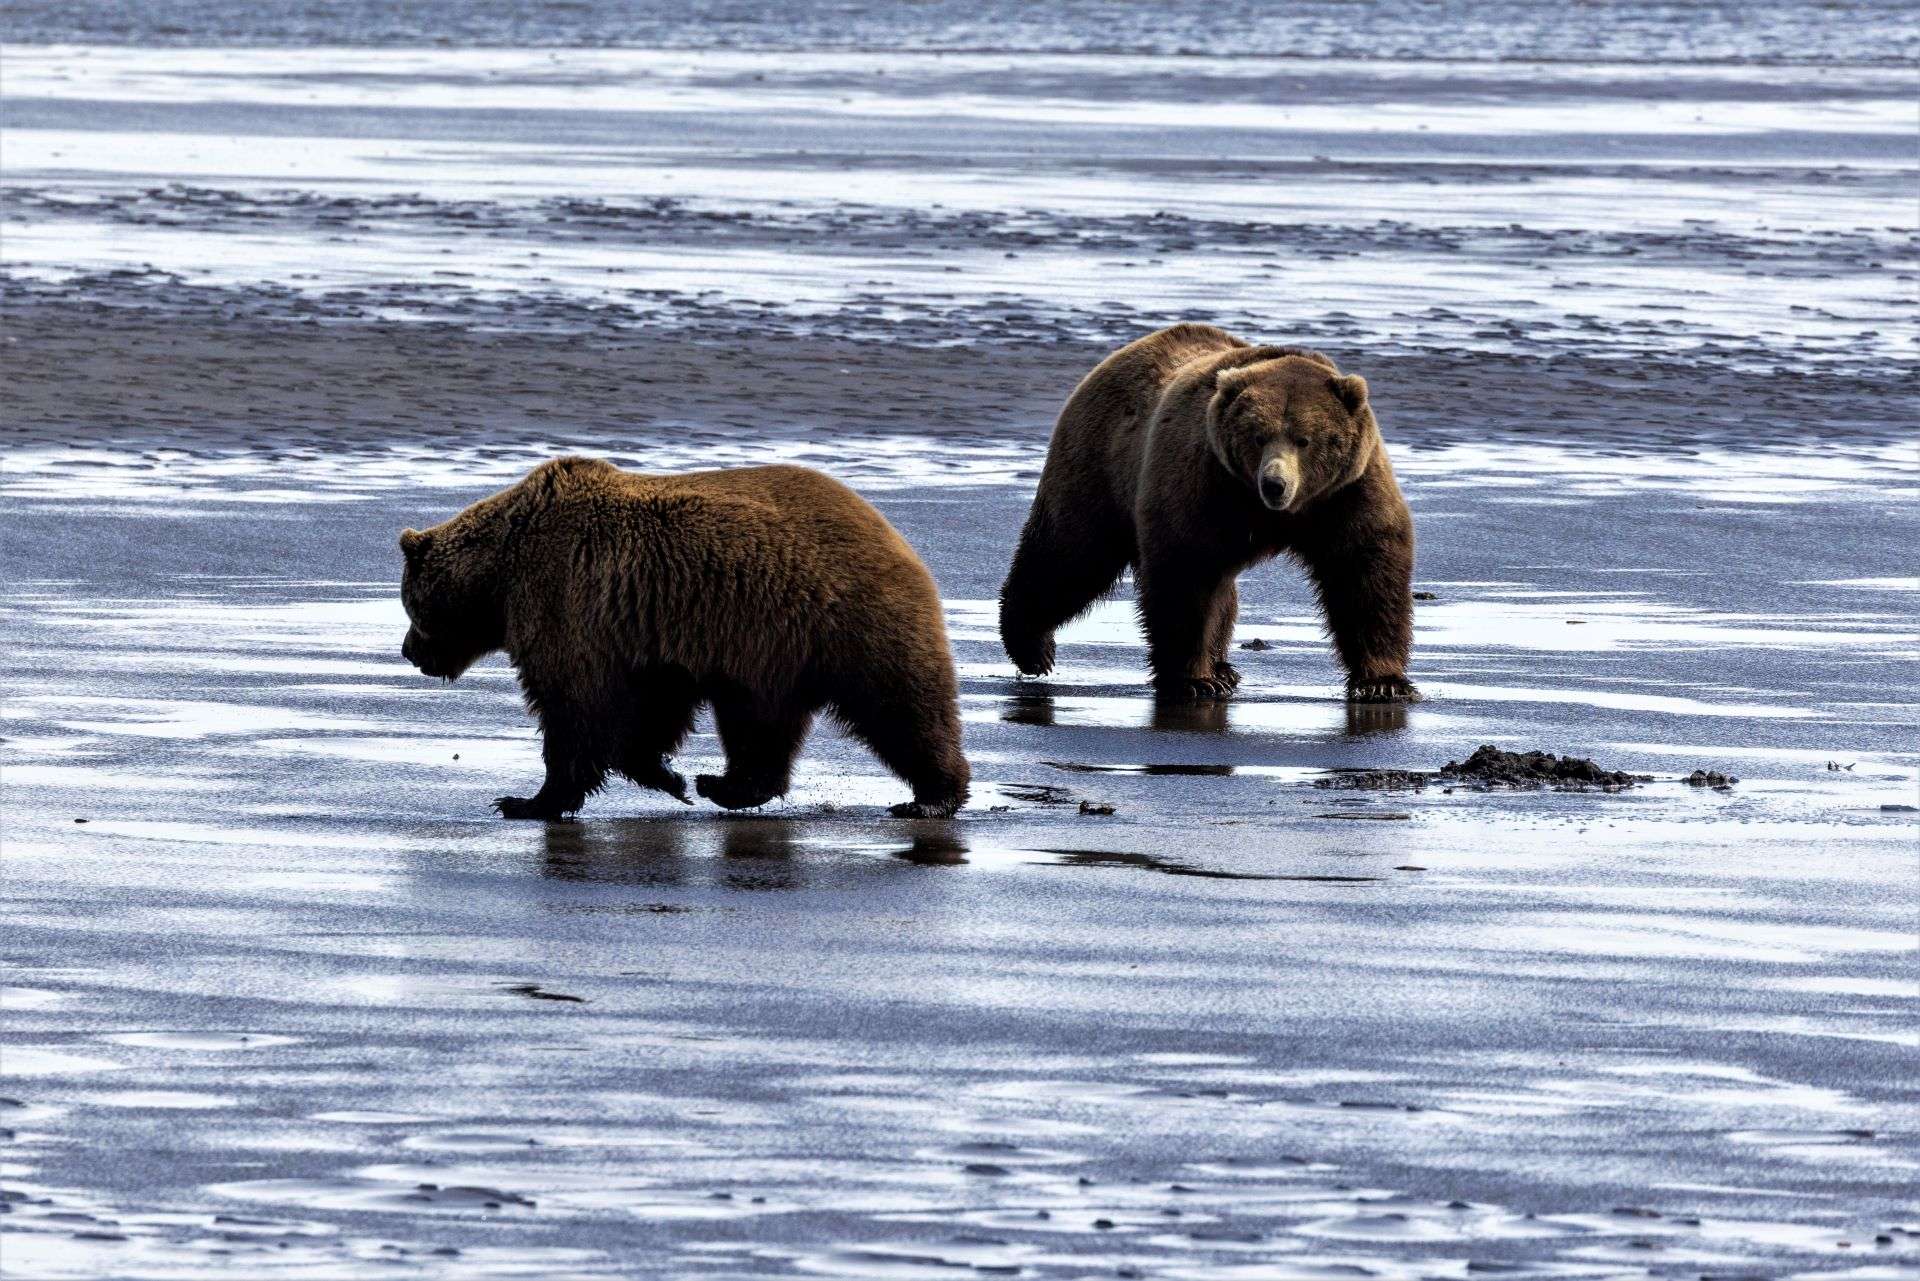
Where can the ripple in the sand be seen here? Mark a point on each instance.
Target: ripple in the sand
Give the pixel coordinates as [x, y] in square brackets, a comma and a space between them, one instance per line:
[39, 1060]
[371, 1116]
[1025, 1126]
[1381, 1227]
[204, 1042]
[162, 1100]
[1257, 1167]
[492, 1140]
[362, 1193]
[989, 1153]
[19, 999]
[676, 1204]
[959, 1257]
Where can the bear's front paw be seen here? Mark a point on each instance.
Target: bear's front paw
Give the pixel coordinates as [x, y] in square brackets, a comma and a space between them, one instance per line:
[926, 809]
[1387, 689]
[1033, 656]
[1229, 673]
[731, 793]
[527, 807]
[1193, 688]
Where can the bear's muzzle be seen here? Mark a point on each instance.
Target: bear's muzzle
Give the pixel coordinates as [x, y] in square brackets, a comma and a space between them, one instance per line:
[414, 649]
[1279, 484]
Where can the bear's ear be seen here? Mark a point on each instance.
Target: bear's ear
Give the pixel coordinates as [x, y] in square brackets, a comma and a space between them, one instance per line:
[1227, 389]
[412, 542]
[1352, 391]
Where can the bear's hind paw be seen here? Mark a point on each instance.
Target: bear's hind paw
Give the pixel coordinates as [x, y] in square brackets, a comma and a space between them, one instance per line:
[663, 778]
[1182, 689]
[730, 793]
[527, 807]
[1390, 689]
[926, 809]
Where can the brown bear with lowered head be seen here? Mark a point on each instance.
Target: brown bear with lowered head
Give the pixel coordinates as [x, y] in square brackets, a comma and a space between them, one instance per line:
[1191, 455]
[626, 601]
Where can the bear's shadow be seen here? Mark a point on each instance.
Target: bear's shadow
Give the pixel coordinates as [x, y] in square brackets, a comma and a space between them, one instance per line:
[1033, 703]
[747, 852]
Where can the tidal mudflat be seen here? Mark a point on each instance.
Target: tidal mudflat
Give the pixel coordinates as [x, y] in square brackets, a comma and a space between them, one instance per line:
[285, 1000]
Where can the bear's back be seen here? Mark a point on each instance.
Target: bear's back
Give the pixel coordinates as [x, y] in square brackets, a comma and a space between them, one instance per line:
[790, 528]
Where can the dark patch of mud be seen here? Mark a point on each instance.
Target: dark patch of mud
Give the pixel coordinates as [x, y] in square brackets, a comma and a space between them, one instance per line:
[1372, 816]
[1037, 793]
[1384, 780]
[535, 992]
[1148, 863]
[272, 366]
[1175, 770]
[1491, 768]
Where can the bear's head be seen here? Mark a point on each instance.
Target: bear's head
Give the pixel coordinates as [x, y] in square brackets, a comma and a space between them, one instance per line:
[452, 597]
[1292, 427]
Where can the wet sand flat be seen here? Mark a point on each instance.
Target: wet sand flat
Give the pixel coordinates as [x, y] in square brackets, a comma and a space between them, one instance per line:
[283, 999]
[289, 989]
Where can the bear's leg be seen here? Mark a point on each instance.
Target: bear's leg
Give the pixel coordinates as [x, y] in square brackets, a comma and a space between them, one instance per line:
[912, 723]
[761, 739]
[1364, 574]
[1059, 570]
[661, 719]
[1181, 605]
[1221, 617]
[576, 758]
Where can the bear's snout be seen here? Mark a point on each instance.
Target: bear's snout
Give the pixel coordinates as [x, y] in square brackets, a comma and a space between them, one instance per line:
[414, 650]
[1279, 481]
[1273, 492]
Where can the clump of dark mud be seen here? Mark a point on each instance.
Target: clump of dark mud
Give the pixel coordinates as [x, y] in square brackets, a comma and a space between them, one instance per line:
[1375, 780]
[1490, 767]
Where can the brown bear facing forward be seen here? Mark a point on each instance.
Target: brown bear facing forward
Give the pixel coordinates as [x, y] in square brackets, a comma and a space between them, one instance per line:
[1191, 455]
[626, 601]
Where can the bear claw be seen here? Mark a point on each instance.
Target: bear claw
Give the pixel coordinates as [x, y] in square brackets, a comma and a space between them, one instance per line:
[663, 778]
[925, 809]
[1392, 689]
[1033, 656]
[1188, 688]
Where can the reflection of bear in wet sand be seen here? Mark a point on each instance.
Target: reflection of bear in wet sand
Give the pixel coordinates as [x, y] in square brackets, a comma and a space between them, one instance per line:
[625, 601]
[1191, 456]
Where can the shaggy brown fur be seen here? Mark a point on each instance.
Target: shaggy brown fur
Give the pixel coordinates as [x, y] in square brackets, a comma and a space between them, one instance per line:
[1191, 455]
[626, 601]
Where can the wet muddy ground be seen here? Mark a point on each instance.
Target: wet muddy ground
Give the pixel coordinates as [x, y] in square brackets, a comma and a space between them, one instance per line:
[284, 999]
[286, 996]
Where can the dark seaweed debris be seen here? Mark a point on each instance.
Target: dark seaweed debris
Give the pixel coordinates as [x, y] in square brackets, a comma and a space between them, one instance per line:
[1490, 767]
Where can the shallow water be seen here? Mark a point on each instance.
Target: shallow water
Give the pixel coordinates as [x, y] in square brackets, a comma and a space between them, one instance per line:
[289, 1000]
[1739, 215]
[1772, 31]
